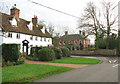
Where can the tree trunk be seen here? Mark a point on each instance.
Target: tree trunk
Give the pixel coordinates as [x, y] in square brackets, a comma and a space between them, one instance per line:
[108, 38]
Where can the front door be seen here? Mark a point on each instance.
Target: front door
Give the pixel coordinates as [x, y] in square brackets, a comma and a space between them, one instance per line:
[25, 46]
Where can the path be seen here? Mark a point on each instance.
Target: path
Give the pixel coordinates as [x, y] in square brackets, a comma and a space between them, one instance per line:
[57, 64]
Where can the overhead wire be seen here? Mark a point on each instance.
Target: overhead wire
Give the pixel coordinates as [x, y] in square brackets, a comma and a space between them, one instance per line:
[54, 9]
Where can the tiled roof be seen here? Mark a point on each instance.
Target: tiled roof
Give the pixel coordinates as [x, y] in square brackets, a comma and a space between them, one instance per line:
[73, 37]
[22, 27]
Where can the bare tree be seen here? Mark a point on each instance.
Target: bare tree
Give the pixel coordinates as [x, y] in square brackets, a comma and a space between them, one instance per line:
[90, 23]
[51, 29]
[110, 17]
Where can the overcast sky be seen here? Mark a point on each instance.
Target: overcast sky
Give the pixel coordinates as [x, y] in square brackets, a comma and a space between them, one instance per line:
[59, 20]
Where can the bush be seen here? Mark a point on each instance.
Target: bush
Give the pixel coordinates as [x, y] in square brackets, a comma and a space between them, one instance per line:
[65, 52]
[34, 51]
[58, 52]
[46, 54]
[8, 63]
[10, 52]
[3, 62]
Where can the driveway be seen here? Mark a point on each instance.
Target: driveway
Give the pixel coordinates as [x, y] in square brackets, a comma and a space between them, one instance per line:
[104, 72]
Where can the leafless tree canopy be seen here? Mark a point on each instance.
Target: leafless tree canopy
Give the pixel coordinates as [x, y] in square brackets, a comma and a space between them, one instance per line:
[93, 22]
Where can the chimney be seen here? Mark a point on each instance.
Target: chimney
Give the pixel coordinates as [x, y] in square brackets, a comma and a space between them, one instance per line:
[14, 11]
[83, 33]
[66, 32]
[80, 32]
[35, 20]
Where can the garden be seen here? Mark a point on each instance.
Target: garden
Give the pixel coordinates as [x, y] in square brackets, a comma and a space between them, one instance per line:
[16, 70]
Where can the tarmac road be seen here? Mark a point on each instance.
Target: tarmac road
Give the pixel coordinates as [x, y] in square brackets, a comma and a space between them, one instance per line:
[104, 72]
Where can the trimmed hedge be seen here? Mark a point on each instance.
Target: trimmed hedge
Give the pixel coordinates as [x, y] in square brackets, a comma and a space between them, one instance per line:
[58, 52]
[65, 52]
[46, 54]
[10, 52]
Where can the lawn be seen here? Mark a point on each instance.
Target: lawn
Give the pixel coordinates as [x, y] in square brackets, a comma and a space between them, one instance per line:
[30, 72]
[76, 60]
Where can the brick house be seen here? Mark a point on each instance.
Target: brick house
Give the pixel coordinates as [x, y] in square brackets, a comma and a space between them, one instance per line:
[74, 41]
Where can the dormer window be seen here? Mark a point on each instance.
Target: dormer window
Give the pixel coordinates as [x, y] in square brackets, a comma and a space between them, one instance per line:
[13, 22]
[43, 30]
[30, 26]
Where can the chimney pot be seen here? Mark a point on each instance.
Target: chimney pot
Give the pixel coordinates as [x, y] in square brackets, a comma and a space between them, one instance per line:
[14, 4]
[66, 32]
[80, 32]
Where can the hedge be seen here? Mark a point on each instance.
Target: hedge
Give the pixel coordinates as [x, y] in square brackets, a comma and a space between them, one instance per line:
[58, 52]
[46, 54]
[10, 52]
[65, 52]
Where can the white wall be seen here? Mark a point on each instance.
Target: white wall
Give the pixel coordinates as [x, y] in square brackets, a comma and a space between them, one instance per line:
[9, 40]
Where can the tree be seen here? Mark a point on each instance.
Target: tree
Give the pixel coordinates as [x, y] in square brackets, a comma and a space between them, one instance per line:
[111, 19]
[51, 29]
[94, 23]
[90, 23]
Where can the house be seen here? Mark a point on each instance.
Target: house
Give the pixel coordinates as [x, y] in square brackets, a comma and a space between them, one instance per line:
[74, 41]
[15, 30]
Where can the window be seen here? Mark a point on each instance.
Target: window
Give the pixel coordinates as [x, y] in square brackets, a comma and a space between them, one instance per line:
[75, 42]
[63, 42]
[44, 39]
[69, 42]
[48, 40]
[31, 38]
[31, 46]
[36, 38]
[41, 39]
[80, 42]
[60, 42]
[18, 36]
[10, 34]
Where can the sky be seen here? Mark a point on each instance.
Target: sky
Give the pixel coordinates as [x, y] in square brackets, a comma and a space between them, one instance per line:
[60, 21]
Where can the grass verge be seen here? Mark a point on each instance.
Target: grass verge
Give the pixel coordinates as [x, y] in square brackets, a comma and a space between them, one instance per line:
[76, 60]
[30, 72]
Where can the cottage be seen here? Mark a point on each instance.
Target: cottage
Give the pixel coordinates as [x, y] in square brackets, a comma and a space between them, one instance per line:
[15, 30]
[74, 41]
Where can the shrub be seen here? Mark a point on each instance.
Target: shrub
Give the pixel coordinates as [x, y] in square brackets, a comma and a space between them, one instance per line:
[3, 62]
[58, 52]
[10, 52]
[9, 63]
[65, 52]
[34, 51]
[46, 54]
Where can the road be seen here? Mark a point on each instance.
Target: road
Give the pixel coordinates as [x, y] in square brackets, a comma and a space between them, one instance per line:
[104, 72]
